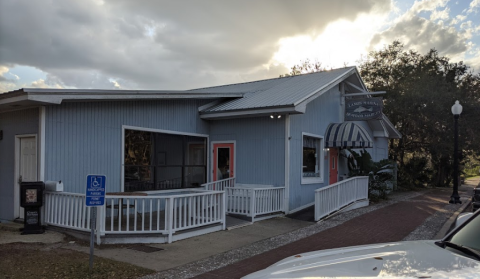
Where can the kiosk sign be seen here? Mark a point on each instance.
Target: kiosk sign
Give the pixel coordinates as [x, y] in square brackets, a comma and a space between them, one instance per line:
[95, 193]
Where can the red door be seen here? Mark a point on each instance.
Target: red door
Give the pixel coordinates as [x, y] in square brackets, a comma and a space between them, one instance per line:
[333, 169]
[223, 161]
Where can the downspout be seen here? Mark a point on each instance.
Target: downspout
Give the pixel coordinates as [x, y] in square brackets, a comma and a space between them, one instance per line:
[342, 102]
[41, 153]
[287, 164]
[41, 138]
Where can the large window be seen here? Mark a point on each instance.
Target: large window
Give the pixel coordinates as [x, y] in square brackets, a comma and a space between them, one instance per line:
[312, 170]
[159, 161]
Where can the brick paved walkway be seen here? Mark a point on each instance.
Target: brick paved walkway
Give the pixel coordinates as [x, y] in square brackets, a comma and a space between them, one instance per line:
[391, 223]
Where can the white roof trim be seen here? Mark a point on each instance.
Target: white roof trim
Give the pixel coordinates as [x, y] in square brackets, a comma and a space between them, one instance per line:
[57, 96]
[356, 87]
[390, 126]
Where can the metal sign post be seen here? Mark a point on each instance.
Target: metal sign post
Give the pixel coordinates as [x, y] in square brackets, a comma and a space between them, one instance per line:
[94, 197]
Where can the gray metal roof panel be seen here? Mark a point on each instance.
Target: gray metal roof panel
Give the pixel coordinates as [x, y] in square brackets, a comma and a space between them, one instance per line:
[277, 92]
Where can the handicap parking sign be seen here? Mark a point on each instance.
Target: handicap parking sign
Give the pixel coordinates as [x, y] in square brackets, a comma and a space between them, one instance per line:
[95, 192]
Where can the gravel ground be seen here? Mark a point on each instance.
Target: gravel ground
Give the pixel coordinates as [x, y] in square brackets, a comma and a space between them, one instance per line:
[432, 225]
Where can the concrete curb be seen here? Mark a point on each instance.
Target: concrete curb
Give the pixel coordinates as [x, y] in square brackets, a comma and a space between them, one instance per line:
[451, 221]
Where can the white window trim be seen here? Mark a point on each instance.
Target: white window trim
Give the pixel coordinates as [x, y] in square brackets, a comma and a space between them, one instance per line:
[313, 180]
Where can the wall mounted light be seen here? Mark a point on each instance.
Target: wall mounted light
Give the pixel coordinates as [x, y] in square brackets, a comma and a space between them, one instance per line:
[275, 115]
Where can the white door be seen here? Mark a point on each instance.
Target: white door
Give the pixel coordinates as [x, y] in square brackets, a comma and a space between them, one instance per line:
[27, 165]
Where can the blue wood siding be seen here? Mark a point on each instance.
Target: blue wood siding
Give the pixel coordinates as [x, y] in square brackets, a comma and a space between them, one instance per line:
[14, 123]
[380, 149]
[320, 112]
[86, 137]
[260, 148]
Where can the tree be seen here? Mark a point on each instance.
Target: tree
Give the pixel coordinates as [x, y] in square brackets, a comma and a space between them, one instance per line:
[305, 67]
[420, 92]
[421, 89]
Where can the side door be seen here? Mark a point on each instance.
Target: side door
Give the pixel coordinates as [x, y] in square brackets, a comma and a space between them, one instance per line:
[26, 166]
[223, 161]
[333, 165]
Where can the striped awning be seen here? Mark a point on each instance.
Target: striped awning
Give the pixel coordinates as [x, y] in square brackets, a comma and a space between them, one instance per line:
[347, 134]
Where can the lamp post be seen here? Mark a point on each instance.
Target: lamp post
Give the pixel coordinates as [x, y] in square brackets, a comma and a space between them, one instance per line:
[456, 110]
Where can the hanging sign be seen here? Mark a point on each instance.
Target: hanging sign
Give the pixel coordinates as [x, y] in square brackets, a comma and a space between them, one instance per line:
[363, 109]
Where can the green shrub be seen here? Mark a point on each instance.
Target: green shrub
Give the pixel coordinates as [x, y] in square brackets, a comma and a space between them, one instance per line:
[378, 174]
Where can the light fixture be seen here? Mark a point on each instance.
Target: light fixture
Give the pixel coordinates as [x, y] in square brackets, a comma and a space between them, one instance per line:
[271, 116]
[456, 110]
[275, 115]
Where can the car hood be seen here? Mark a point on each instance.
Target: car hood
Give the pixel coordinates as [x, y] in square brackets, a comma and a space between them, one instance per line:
[408, 259]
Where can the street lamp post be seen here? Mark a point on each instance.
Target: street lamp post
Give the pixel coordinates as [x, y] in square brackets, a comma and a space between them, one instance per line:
[456, 110]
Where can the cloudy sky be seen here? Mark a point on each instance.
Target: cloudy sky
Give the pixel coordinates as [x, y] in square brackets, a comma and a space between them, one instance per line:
[180, 44]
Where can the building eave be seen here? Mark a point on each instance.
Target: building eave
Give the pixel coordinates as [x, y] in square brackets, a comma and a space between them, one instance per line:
[256, 112]
[33, 97]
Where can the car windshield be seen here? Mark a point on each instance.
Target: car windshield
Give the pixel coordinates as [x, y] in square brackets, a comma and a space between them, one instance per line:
[469, 235]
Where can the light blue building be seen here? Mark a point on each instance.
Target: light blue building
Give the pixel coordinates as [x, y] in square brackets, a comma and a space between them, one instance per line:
[270, 132]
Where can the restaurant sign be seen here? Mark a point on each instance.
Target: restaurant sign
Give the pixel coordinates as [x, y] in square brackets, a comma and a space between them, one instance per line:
[363, 109]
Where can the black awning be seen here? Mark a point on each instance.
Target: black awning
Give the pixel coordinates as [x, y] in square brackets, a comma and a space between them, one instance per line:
[347, 134]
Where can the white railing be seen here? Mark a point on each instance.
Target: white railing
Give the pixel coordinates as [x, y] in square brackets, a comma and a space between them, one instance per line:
[333, 197]
[219, 185]
[67, 210]
[266, 200]
[161, 214]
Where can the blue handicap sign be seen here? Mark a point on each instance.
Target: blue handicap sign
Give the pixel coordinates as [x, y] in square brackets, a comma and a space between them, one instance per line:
[95, 192]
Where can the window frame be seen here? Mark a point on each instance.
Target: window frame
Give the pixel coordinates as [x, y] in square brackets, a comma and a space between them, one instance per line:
[152, 130]
[321, 161]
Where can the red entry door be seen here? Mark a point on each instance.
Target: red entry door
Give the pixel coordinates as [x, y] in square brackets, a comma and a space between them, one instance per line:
[333, 169]
[223, 161]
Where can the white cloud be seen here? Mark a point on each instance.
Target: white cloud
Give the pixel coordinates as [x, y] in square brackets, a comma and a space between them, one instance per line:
[160, 44]
[340, 44]
[474, 5]
[443, 14]
[461, 17]
[40, 83]
[427, 5]
[3, 70]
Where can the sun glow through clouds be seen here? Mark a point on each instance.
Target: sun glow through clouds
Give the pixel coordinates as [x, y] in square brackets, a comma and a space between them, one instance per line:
[342, 43]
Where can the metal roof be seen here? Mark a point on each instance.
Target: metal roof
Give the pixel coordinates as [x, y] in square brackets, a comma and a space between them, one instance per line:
[33, 97]
[286, 91]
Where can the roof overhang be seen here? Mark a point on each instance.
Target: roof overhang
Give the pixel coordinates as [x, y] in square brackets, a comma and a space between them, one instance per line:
[257, 112]
[393, 133]
[34, 97]
[383, 128]
[299, 107]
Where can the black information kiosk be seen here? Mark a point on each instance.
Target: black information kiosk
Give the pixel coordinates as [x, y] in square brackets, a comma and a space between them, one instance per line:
[31, 199]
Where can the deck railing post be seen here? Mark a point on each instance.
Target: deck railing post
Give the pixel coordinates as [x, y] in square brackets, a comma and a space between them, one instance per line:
[170, 219]
[223, 210]
[252, 204]
[338, 197]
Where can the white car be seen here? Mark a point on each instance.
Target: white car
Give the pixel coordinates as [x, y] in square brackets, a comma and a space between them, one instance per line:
[457, 255]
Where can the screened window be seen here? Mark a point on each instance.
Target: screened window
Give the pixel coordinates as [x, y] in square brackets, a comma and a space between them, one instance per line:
[161, 161]
[311, 157]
